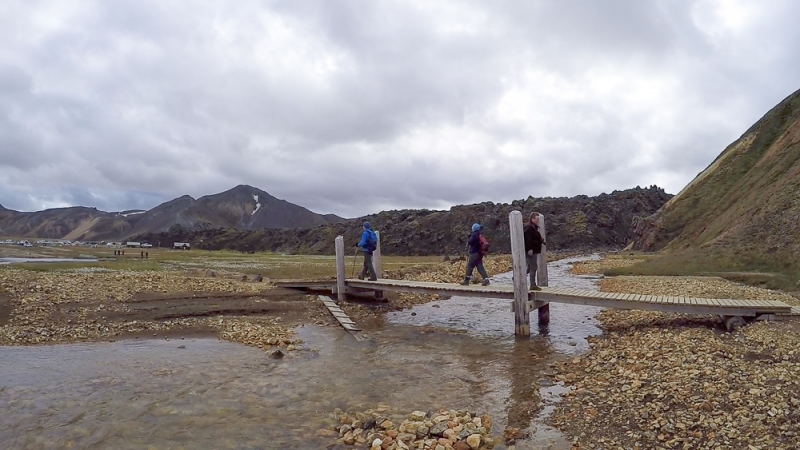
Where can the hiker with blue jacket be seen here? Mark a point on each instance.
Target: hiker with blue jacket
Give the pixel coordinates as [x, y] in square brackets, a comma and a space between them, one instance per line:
[476, 252]
[368, 244]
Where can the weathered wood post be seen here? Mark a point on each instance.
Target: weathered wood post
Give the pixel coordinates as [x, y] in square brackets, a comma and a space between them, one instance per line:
[376, 262]
[341, 290]
[522, 323]
[541, 275]
[376, 257]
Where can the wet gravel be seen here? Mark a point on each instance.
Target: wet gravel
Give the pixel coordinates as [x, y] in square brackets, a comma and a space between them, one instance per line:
[658, 380]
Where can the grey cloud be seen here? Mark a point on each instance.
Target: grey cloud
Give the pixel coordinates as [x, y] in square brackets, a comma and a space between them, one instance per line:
[348, 107]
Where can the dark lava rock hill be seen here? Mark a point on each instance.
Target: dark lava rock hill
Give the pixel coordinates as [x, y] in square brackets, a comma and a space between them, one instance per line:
[575, 223]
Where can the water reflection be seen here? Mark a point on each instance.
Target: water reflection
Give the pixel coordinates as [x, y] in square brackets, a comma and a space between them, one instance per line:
[492, 318]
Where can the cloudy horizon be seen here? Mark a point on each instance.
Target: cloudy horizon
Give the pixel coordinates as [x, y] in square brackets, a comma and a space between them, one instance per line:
[351, 108]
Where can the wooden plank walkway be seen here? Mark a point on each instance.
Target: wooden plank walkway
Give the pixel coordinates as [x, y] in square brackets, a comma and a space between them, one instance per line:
[338, 314]
[688, 305]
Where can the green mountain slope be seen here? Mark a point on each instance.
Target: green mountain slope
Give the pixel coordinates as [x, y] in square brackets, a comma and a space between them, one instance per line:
[742, 212]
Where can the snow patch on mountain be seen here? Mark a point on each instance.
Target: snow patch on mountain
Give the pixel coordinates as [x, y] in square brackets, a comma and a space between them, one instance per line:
[258, 205]
[131, 213]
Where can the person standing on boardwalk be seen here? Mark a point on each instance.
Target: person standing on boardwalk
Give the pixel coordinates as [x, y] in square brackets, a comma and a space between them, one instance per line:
[533, 247]
[368, 244]
[476, 251]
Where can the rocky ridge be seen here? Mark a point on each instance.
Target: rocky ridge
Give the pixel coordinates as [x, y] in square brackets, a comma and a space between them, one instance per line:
[243, 207]
[575, 223]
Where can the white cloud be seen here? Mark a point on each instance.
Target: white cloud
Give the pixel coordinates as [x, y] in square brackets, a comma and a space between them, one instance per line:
[352, 108]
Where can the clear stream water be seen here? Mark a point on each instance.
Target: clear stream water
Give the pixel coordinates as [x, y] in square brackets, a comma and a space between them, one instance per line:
[458, 353]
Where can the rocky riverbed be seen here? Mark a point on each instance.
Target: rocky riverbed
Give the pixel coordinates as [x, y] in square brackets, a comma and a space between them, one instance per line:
[651, 380]
[658, 380]
[49, 307]
[70, 306]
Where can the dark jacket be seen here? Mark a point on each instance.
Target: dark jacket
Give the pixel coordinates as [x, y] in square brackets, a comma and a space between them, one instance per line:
[474, 242]
[533, 239]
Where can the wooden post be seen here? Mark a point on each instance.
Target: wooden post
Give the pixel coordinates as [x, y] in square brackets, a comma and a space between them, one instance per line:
[541, 275]
[341, 290]
[376, 257]
[522, 323]
[376, 262]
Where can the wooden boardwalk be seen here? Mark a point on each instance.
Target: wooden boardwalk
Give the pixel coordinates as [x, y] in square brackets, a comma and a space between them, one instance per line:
[688, 305]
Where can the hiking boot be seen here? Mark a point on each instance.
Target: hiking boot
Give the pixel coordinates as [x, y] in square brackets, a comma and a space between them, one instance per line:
[361, 277]
[485, 282]
[465, 282]
[535, 288]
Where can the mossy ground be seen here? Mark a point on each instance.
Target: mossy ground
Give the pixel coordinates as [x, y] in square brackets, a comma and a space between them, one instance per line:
[756, 271]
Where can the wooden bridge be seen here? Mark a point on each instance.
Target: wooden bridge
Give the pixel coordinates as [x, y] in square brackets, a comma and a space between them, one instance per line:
[732, 311]
[687, 305]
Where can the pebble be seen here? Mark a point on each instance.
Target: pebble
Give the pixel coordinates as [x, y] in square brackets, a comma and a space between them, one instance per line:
[658, 380]
[38, 319]
[417, 431]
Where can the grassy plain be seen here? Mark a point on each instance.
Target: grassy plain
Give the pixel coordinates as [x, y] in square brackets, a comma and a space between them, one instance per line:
[269, 265]
[767, 274]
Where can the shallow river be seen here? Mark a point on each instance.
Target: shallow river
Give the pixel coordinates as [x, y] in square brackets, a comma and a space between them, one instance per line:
[458, 353]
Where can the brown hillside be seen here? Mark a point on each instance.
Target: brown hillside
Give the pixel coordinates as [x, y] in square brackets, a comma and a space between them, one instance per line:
[742, 211]
[52, 223]
[242, 208]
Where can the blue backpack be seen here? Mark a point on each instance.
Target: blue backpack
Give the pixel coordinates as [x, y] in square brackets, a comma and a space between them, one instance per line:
[372, 241]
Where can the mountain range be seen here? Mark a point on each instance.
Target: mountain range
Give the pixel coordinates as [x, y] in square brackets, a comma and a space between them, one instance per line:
[572, 223]
[243, 207]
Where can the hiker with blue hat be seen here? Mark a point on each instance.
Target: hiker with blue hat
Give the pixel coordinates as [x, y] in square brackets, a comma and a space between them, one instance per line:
[478, 246]
[368, 244]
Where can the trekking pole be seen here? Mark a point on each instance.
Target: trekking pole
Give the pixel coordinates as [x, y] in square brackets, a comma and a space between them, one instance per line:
[461, 266]
[355, 257]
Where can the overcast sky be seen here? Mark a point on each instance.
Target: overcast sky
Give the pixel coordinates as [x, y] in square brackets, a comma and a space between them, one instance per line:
[356, 107]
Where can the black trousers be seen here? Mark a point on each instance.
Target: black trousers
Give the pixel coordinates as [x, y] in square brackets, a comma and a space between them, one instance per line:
[476, 262]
